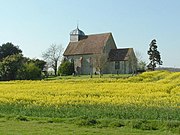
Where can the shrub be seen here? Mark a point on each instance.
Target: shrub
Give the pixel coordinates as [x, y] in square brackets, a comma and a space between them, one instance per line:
[29, 71]
[87, 122]
[144, 125]
[22, 118]
[66, 68]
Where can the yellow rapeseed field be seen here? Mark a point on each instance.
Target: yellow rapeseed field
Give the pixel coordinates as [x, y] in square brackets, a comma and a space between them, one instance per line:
[151, 89]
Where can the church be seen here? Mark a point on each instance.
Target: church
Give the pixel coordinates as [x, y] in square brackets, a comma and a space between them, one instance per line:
[98, 53]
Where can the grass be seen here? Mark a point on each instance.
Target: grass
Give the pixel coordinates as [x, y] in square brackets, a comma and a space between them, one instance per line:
[92, 111]
[117, 76]
[66, 127]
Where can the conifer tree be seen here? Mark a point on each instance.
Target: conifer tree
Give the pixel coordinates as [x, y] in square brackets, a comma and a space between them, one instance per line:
[154, 56]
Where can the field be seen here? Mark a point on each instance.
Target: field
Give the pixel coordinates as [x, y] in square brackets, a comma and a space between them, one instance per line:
[143, 104]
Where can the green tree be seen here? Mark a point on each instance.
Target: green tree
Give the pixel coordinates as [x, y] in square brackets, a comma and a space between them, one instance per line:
[14, 66]
[66, 68]
[29, 71]
[154, 56]
[10, 66]
[42, 65]
[8, 49]
[39, 63]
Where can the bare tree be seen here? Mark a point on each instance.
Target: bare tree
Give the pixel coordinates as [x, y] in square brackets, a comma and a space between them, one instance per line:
[52, 56]
[99, 62]
[141, 64]
[138, 56]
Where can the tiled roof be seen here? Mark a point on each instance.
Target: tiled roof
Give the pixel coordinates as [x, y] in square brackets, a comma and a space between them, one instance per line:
[119, 54]
[90, 44]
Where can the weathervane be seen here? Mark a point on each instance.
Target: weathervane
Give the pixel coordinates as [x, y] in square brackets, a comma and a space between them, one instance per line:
[77, 24]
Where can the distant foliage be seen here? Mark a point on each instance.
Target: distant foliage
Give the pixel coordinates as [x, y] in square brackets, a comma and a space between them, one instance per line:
[9, 49]
[141, 64]
[29, 71]
[14, 66]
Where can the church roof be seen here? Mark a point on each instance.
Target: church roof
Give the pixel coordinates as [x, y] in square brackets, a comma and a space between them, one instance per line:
[119, 54]
[89, 44]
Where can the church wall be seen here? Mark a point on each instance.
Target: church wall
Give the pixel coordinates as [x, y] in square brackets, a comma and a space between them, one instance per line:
[82, 64]
[111, 67]
[124, 67]
[132, 62]
[74, 38]
[110, 44]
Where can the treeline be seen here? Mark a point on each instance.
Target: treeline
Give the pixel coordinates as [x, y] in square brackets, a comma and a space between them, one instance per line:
[14, 66]
[171, 69]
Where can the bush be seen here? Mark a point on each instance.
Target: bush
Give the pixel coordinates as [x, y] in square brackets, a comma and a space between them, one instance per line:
[144, 125]
[117, 124]
[22, 118]
[29, 71]
[66, 68]
[87, 122]
[173, 124]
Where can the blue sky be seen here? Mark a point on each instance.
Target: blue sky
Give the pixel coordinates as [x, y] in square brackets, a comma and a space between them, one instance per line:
[36, 24]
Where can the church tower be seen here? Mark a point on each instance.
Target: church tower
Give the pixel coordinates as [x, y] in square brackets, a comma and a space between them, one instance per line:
[76, 35]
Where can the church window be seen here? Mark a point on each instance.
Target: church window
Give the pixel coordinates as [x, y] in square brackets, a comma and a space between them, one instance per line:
[117, 65]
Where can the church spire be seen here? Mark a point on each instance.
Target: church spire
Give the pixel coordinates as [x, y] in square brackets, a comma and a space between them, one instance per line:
[76, 34]
[77, 24]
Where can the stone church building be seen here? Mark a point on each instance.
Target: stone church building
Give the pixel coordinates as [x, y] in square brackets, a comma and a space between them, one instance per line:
[98, 53]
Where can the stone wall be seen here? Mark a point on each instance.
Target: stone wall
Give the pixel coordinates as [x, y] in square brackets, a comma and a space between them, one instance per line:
[125, 67]
[82, 63]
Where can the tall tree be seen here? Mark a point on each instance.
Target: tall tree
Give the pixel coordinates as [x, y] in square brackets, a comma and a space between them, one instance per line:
[154, 55]
[8, 49]
[52, 56]
[39, 63]
[10, 66]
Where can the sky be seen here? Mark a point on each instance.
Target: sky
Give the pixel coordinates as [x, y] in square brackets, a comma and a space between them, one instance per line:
[34, 25]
